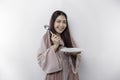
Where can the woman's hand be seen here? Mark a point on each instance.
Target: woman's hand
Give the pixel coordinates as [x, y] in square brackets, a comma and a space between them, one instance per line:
[56, 41]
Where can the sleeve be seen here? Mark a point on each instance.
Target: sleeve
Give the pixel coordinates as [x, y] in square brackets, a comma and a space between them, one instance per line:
[47, 59]
[74, 60]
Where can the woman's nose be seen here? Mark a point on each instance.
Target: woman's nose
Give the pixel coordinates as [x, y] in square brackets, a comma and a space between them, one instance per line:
[61, 24]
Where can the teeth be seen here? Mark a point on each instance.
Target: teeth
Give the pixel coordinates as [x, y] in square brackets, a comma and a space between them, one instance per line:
[60, 30]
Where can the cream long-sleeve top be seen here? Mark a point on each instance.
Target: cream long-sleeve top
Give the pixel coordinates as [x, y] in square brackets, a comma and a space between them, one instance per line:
[51, 61]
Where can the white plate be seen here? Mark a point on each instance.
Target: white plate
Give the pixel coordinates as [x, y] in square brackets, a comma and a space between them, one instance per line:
[71, 50]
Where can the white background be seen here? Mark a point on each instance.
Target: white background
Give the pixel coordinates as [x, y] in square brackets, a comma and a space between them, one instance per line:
[95, 26]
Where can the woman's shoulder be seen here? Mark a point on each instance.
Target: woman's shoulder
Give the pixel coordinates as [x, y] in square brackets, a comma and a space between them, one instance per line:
[46, 39]
[46, 35]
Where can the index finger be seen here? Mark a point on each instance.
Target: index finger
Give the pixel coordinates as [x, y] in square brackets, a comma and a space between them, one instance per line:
[51, 33]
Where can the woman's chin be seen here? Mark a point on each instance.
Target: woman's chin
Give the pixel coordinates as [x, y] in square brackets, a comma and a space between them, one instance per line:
[60, 32]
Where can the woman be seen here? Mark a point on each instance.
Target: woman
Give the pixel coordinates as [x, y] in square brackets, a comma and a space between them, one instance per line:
[56, 64]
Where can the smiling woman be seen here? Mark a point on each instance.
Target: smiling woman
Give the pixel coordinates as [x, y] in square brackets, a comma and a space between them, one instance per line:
[56, 64]
[60, 24]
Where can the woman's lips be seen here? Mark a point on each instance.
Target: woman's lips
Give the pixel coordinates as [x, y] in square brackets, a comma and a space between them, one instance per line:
[60, 29]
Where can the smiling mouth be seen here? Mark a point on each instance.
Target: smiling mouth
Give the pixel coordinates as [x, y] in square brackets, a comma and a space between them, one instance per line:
[60, 29]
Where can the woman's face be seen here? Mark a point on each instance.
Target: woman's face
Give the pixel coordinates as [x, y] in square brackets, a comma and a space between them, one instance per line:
[60, 24]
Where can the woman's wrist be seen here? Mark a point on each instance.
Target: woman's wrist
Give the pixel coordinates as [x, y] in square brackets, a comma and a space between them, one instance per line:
[55, 47]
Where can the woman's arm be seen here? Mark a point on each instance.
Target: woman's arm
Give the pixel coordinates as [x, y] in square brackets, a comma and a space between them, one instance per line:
[47, 58]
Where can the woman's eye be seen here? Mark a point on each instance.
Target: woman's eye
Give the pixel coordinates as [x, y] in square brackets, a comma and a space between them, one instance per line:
[58, 21]
[64, 22]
